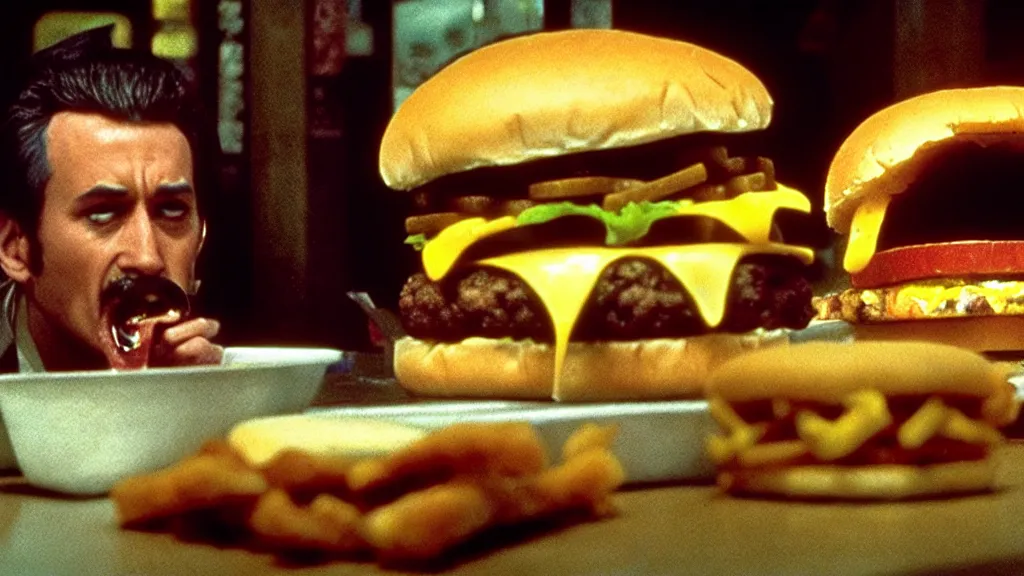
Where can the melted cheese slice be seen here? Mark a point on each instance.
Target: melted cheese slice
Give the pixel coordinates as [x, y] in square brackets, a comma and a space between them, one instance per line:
[750, 214]
[440, 254]
[564, 277]
[864, 228]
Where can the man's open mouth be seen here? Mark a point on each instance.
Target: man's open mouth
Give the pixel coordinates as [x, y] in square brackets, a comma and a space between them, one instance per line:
[132, 309]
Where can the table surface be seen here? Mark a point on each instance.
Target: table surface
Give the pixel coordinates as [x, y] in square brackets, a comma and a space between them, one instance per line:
[678, 529]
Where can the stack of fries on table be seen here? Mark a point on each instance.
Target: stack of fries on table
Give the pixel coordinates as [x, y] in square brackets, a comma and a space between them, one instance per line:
[414, 504]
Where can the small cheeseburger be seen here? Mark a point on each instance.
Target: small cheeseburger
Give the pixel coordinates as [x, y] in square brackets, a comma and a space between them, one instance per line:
[831, 420]
[925, 190]
[585, 231]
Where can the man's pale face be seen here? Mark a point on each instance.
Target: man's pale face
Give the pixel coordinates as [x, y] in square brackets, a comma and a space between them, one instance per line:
[120, 200]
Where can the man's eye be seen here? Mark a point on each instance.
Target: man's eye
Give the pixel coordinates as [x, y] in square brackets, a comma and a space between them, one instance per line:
[175, 211]
[101, 216]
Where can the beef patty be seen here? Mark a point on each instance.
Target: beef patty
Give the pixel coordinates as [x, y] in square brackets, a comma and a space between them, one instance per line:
[634, 298]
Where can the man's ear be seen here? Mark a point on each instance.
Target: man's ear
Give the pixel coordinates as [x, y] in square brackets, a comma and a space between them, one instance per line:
[194, 282]
[14, 250]
[202, 237]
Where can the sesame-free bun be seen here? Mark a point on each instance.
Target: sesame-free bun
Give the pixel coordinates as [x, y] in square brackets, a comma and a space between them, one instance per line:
[555, 93]
[593, 371]
[887, 151]
[828, 372]
[882, 482]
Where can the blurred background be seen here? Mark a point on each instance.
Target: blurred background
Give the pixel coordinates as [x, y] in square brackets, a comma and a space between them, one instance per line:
[301, 91]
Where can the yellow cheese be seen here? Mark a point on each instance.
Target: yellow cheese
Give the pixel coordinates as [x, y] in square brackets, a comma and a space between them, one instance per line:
[772, 453]
[739, 436]
[933, 299]
[867, 414]
[864, 228]
[441, 253]
[725, 416]
[722, 449]
[564, 277]
[750, 214]
[719, 449]
[959, 427]
[923, 424]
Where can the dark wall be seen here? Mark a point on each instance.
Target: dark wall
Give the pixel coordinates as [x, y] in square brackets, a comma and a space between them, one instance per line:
[373, 229]
[17, 19]
[813, 56]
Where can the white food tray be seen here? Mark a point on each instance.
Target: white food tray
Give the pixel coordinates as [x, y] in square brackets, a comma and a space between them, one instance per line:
[656, 442]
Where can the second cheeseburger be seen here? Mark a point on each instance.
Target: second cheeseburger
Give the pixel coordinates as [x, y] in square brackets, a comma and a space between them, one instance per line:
[863, 420]
[926, 191]
[586, 231]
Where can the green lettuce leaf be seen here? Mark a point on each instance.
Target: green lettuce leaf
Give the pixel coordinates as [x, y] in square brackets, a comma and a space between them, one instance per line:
[630, 223]
[417, 241]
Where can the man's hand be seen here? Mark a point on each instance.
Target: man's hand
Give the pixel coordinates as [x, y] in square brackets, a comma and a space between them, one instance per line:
[188, 343]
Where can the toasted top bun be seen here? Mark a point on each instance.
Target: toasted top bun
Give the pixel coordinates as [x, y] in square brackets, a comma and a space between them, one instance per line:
[883, 155]
[828, 371]
[555, 93]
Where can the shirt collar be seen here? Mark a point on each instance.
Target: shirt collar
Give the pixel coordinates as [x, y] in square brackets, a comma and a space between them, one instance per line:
[28, 354]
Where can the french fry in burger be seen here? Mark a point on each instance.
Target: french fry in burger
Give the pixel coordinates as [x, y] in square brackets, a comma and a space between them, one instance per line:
[587, 229]
[861, 420]
[923, 191]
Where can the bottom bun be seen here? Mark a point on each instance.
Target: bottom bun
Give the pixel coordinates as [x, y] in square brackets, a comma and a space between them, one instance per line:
[637, 370]
[981, 333]
[884, 482]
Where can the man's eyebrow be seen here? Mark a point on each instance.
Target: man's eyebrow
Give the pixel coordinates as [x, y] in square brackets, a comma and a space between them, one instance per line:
[100, 192]
[175, 188]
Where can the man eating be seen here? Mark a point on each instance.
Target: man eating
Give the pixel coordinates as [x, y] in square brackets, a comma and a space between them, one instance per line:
[98, 148]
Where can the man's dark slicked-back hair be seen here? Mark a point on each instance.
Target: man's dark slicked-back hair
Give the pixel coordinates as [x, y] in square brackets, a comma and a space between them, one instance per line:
[85, 73]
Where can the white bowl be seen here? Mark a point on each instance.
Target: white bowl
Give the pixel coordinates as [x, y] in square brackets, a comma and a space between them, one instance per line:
[80, 432]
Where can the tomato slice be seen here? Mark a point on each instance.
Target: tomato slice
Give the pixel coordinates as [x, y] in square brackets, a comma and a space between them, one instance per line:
[947, 260]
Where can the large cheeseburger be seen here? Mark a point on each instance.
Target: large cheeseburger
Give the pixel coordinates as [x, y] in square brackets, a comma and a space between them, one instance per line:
[587, 228]
[925, 192]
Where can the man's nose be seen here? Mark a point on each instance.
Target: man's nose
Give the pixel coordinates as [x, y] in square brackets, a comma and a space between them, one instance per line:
[140, 249]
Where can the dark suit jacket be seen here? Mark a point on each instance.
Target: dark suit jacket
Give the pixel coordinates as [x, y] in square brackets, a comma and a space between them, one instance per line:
[8, 350]
[9, 360]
